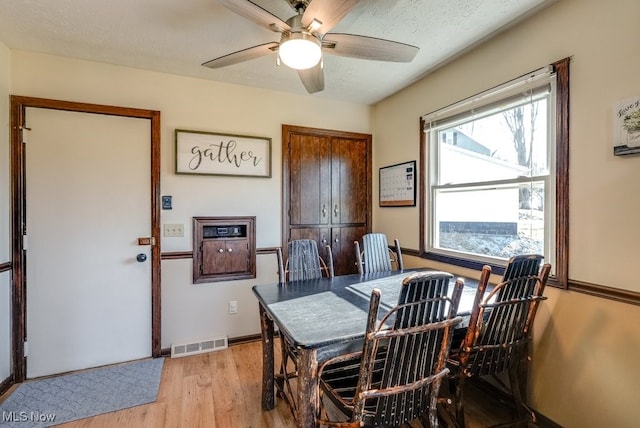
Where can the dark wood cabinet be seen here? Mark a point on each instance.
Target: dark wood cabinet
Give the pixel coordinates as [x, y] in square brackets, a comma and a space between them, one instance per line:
[228, 256]
[224, 248]
[327, 190]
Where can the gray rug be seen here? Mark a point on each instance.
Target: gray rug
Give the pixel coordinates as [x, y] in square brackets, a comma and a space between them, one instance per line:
[55, 400]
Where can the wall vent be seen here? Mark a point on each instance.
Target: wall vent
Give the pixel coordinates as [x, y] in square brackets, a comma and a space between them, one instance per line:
[193, 348]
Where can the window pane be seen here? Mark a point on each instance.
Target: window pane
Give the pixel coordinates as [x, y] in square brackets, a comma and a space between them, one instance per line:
[492, 222]
[499, 146]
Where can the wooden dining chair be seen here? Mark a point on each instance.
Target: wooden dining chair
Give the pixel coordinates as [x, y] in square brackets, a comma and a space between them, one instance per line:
[522, 265]
[376, 255]
[498, 338]
[303, 262]
[397, 375]
[519, 265]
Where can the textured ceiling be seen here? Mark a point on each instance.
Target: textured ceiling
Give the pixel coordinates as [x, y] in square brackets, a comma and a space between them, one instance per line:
[177, 36]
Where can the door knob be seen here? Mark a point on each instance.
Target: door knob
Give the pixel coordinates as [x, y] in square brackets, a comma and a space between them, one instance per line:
[141, 257]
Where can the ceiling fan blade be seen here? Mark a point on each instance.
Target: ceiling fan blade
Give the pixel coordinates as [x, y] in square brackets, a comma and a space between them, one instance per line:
[328, 12]
[312, 78]
[255, 13]
[243, 55]
[364, 47]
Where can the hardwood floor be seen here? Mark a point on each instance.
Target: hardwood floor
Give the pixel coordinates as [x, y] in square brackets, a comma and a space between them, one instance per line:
[223, 389]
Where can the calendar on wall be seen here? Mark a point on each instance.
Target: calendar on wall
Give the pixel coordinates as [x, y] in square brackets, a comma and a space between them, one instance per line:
[398, 185]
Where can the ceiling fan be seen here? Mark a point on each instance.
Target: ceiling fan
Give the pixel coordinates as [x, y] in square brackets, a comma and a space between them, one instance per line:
[305, 36]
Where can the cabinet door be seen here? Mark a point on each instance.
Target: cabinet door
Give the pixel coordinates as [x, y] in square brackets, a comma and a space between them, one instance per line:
[213, 257]
[344, 253]
[349, 180]
[237, 255]
[310, 179]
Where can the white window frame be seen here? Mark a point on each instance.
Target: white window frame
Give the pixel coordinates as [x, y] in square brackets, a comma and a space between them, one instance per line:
[497, 99]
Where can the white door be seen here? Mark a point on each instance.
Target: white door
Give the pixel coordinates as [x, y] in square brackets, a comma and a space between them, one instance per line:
[87, 201]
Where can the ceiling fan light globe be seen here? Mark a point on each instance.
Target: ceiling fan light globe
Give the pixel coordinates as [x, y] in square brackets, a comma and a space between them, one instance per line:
[300, 51]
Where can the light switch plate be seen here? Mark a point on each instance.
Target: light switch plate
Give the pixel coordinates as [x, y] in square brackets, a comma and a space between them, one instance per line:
[173, 230]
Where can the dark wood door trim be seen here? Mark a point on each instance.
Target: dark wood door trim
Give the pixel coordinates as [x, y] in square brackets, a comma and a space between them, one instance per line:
[18, 108]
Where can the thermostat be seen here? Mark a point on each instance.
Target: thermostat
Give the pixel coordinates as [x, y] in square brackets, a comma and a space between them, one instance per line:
[166, 202]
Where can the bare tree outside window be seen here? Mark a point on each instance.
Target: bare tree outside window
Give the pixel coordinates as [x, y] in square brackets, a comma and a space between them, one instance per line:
[523, 141]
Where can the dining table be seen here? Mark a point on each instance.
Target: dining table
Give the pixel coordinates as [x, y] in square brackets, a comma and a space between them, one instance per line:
[323, 318]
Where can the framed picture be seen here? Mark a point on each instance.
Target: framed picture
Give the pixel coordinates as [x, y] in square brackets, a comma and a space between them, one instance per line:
[626, 127]
[212, 153]
[398, 185]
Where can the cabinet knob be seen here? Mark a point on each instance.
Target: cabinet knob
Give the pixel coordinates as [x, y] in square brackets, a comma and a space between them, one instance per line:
[221, 250]
[230, 250]
[324, 210]
[337, 240]
[335, 210]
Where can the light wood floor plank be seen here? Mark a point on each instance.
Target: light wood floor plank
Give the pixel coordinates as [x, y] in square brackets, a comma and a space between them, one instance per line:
[197, 401]
[228, 396]
[170, 393]
[248, 363]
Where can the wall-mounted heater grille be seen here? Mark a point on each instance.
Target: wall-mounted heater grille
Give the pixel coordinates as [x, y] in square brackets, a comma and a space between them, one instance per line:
[193, 348]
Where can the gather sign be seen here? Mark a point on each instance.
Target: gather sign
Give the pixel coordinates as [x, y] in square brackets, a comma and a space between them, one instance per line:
[199, 152]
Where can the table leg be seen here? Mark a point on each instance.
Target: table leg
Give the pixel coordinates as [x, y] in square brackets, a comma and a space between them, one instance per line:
[266, 328]
[308, 399]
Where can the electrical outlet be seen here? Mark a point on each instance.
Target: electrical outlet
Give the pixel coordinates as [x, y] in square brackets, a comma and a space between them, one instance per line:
[233, 307]
[174, 230]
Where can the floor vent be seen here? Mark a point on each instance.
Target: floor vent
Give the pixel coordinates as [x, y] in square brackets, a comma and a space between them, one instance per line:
[193, 348]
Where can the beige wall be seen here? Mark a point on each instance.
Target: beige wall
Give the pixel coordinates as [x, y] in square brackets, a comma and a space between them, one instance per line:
[585, 363]
[192, 312]
[5, 215]
[5, 80]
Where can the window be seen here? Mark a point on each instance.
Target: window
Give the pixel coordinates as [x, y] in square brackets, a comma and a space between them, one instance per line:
[496, 174]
